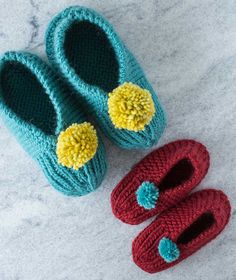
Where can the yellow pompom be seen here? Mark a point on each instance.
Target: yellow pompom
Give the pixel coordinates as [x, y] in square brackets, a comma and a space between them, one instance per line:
[130, 107]
[77, 145]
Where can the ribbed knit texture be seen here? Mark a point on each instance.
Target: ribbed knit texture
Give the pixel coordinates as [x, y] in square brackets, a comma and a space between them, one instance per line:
[190, 224]
[86, 50]
[175, 169]
[36, 106]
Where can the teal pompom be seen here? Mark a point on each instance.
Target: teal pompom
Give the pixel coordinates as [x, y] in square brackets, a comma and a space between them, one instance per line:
[168, 250]
[147, 195]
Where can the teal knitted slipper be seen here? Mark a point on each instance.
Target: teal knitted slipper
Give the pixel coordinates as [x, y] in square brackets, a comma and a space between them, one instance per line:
[87, 52]
[43, 116]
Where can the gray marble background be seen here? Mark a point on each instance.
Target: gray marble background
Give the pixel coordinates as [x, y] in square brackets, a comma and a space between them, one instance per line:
[188, 51]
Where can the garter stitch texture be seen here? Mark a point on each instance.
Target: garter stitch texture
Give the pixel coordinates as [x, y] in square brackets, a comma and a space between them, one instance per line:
[190, 225]
[36, 107]
[86, 50]
[175, 169]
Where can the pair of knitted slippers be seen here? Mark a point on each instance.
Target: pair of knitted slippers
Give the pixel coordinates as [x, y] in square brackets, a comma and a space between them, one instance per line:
[159, 184]
[93, 73]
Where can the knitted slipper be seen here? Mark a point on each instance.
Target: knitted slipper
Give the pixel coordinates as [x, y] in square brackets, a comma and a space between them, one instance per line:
[37, 108]
[160, 180]
[181, 231]
[86, 50]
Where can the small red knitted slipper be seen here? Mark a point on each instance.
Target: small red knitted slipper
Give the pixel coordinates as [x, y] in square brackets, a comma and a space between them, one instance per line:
[160, 180]
[181, 231]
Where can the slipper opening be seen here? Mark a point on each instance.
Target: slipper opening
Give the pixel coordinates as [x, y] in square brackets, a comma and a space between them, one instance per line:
[202, 224]
[25, 96]
[181, 172]
[90, 53]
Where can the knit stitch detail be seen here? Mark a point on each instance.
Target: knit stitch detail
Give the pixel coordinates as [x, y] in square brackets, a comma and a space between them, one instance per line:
[175, 168]
[191, 224]
[94, 97]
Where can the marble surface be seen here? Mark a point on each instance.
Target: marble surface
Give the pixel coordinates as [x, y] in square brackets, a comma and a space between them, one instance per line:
[188, 51]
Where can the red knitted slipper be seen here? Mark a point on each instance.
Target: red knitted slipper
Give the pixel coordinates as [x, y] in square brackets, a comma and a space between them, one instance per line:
[181, 231]
[160, 180]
